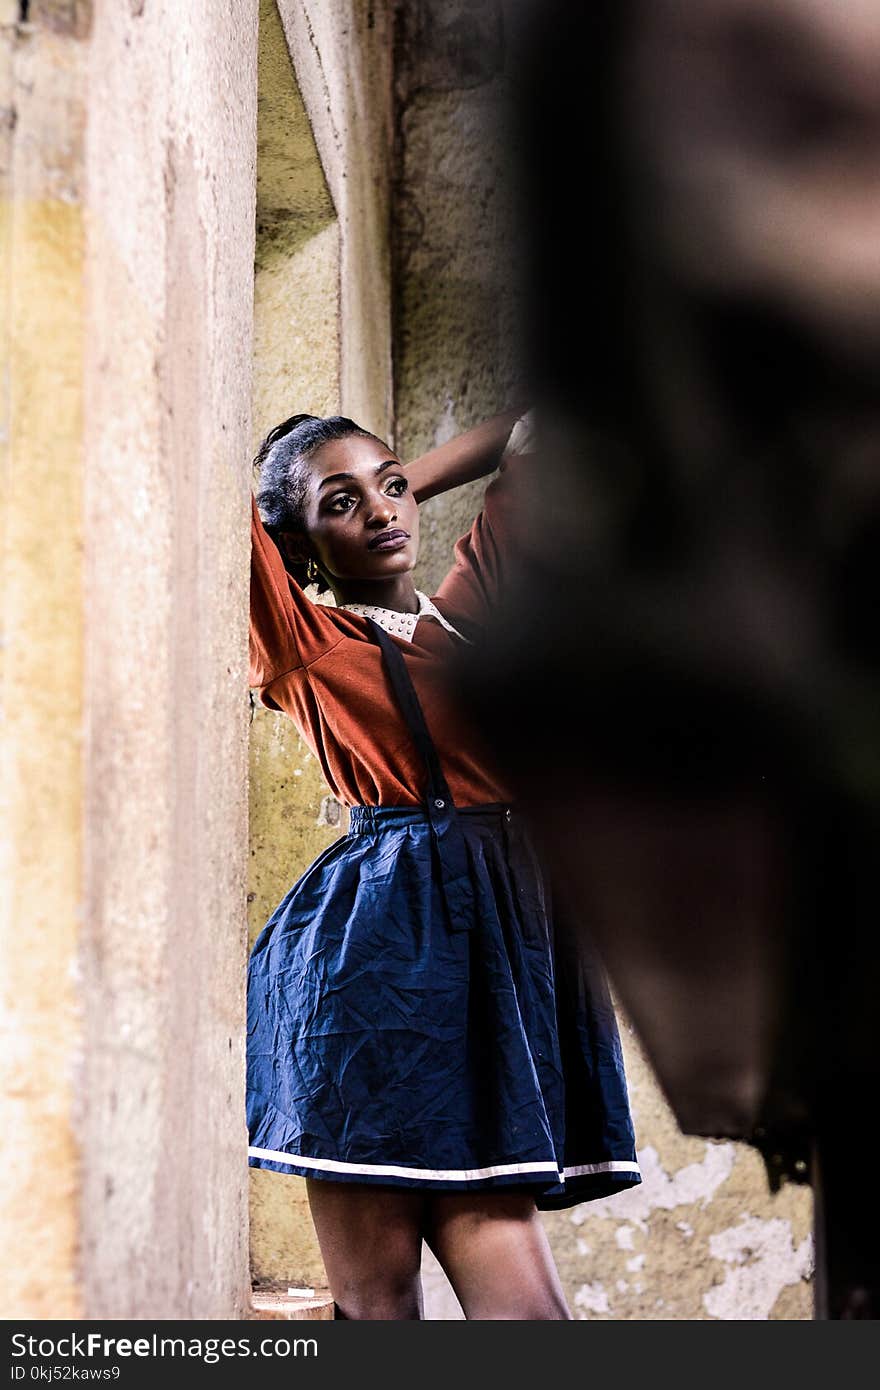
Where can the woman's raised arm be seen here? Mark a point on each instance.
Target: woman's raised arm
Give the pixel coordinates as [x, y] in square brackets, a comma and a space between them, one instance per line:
[470, 455]
[487, 555]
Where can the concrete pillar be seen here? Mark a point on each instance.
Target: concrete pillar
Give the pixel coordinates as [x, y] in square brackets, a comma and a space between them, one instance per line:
[129, 216]
[171, 180]
[342, 53]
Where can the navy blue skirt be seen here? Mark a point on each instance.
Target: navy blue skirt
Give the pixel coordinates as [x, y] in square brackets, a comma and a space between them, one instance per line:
[394, 1042]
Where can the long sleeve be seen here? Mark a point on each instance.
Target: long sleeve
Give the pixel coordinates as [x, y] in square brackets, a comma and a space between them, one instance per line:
[287, 630]
[486, 555]
[273, 647]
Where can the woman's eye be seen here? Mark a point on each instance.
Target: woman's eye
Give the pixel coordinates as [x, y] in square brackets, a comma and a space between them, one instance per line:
[399, 485]
[341, 503]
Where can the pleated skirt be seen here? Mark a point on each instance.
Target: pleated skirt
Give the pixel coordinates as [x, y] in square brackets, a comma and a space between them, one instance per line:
[391, 1042]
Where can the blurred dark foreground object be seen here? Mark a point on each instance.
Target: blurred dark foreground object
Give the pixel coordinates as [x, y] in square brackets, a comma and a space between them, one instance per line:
[684, 687]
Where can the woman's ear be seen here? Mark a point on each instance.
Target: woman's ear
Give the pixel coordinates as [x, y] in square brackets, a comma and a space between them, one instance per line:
[295, 547]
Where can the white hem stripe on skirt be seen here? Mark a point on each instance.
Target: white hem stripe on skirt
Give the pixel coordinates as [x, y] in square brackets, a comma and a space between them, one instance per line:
[389, 1170]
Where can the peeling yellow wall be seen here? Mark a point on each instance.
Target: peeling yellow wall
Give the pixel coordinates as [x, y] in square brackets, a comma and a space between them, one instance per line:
[41, 225]
[701, 1238]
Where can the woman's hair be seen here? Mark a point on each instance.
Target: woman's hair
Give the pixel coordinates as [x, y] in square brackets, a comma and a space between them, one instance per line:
[282, 460]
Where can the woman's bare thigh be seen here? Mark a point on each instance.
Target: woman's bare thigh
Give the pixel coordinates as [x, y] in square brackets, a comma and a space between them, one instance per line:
[371, 1244]
[496, 1255]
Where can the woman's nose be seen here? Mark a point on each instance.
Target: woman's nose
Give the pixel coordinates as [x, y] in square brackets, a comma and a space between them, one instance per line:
[383, 511]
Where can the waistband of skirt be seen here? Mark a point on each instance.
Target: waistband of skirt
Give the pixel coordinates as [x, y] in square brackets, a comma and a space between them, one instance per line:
[363, 819]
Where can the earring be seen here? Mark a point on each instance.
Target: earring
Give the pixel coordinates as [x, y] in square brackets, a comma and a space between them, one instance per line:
[311, 571]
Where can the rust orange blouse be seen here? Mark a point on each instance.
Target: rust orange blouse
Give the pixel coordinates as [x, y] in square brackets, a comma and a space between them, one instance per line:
[320, 666]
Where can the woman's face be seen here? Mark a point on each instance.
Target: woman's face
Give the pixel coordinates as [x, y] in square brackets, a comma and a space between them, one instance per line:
[361, 517]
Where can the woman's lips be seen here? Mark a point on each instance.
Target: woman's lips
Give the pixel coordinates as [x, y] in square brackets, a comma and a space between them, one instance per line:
[388, 540]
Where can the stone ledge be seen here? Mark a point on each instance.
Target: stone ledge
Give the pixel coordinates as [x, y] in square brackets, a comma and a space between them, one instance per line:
[272, 1302]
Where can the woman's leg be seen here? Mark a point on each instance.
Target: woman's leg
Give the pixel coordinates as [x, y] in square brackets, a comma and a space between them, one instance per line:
[496, 1255]
[371, 1244]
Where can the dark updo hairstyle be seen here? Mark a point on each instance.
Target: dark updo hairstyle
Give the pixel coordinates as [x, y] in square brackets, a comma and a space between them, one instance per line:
[281, 460]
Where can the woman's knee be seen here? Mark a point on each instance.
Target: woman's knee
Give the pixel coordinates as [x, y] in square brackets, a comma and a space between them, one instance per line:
[382, 1284]
[380, 1295]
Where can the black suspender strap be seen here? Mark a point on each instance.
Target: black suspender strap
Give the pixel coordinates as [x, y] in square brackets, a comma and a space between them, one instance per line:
[447, 838]
[411, 709]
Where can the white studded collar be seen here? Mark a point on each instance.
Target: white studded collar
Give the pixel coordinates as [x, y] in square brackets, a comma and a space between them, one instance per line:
[401, 625]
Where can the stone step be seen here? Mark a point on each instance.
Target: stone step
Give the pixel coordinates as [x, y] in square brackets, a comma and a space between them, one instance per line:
[273, 1302]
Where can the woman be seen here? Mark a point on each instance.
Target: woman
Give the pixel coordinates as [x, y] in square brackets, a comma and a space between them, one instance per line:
[421, 1048]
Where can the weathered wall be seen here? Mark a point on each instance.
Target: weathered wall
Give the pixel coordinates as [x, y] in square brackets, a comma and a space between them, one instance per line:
[322, 343]
[702, 1237]
[42, 96]
[455, 340]
[160, 1118]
